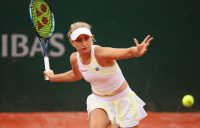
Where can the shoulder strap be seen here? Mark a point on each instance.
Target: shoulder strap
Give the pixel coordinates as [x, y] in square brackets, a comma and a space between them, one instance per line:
[92, 51]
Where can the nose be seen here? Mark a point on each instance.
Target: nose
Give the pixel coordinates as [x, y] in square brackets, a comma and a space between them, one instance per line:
[84, 42]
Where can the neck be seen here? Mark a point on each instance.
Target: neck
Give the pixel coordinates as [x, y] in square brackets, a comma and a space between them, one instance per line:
[85, 57]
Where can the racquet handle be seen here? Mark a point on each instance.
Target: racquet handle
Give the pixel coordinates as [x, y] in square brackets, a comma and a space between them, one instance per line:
[46, 64]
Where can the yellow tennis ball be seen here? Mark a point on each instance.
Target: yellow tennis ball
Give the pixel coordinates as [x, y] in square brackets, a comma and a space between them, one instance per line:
[188, 101]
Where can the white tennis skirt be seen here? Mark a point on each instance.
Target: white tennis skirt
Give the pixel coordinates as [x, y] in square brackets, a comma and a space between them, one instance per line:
[124, 109]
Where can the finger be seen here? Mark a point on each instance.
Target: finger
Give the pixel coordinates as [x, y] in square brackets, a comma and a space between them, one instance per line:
[146, 38]
[145, 50]
[149, 41]
[136, 42]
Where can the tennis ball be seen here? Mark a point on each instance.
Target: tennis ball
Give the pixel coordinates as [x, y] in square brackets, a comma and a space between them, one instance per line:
[188, 101]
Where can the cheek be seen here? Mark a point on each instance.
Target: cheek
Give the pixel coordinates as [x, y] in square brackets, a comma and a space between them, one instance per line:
[74, 45]
[90, 42]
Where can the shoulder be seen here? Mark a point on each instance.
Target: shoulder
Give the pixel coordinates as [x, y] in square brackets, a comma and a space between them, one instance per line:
[101, 54]
[73, 57]
[101, 51]
[98, 49]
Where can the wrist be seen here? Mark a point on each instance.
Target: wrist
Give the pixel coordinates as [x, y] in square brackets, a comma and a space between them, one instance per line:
[134, 52]
[52, 77]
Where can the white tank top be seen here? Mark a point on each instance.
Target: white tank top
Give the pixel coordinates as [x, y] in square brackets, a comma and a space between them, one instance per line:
[103, 80]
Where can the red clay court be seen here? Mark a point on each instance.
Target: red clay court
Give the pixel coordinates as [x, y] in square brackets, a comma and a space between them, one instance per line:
[79, 120]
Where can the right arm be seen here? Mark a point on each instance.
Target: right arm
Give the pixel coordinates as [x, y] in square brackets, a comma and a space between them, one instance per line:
[69, 76]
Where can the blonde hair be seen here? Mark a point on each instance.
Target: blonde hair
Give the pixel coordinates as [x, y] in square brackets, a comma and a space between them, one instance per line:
[76, 25]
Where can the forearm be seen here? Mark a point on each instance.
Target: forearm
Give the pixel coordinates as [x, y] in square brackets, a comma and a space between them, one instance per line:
[64, 77]
[117, 53]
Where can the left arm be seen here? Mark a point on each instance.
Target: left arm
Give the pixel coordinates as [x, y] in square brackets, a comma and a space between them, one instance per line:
[125, 53]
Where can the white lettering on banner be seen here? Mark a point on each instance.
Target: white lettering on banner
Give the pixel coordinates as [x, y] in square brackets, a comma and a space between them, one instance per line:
[35, 48]
[19, 46]
[4, 45]
[58, 45]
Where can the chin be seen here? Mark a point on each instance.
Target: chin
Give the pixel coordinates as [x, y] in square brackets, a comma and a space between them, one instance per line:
[86, 50]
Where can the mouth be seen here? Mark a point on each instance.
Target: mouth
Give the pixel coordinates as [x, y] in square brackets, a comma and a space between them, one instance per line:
[84, 48]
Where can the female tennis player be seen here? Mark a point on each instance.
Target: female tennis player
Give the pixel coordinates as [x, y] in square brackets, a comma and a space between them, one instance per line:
[112, 102]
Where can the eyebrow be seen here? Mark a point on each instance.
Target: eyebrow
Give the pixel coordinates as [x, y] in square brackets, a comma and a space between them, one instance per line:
[82, 37]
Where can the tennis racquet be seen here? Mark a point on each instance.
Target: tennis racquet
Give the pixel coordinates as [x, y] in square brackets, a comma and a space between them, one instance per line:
[42, 19]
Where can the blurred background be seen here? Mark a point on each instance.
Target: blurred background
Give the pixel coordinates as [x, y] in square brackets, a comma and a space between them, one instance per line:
[168, 71]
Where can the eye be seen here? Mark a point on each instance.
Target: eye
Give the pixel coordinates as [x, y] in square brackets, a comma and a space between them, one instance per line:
[86, 38]
[78, 40]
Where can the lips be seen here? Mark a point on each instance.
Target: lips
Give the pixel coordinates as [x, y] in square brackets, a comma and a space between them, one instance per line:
[84, 48]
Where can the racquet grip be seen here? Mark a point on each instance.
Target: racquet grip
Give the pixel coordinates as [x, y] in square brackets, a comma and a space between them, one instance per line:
[46, 64]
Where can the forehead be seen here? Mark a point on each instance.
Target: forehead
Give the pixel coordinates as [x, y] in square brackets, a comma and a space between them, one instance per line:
[82, 36]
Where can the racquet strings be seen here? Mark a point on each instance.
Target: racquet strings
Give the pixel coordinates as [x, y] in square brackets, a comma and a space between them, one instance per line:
[42, 18]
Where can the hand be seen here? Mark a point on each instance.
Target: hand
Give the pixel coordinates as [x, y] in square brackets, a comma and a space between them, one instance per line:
[49, 74]
[142, 47]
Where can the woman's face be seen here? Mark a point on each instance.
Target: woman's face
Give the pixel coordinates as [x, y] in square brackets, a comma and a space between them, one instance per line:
[83, 43]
